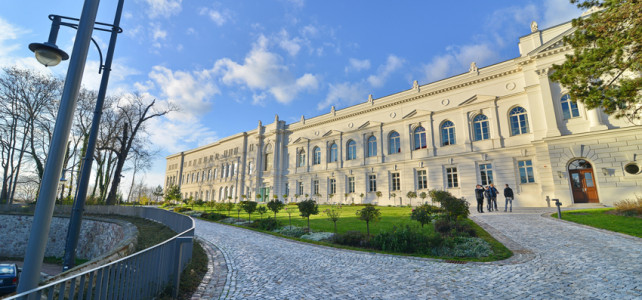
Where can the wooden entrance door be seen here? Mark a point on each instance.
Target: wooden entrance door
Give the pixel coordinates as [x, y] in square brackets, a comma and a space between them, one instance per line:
[583, 186]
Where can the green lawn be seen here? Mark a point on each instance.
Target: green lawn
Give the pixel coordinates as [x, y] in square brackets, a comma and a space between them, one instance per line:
[391, 217]
[600, 219]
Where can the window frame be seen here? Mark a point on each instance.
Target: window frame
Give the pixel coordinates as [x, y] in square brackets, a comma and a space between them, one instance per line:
[334, 152]
[486, 173]
[332, 186]
[452, 178]
[395, 179]
[525, 170]
[372, 183]
[447, 130]
[372, 146]
[351, 150]
[350, 185]
[419, 138]
[316, 156]
[422, 179]
[394, 140]
[570, 110]
[481, 127]
[518, 120]
[301, 158]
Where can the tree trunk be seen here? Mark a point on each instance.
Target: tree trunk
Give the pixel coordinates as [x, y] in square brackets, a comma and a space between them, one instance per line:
[121, 156]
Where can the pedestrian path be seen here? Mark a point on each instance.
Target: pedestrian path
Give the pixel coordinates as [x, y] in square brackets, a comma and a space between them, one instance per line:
[554, 259]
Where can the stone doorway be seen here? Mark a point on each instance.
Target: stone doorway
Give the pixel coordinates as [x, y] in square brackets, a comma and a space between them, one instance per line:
[582, 182]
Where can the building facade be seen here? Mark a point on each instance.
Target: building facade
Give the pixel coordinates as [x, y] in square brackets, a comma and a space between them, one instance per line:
[504, 124]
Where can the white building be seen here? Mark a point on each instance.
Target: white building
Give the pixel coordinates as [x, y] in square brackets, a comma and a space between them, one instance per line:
[506, 123]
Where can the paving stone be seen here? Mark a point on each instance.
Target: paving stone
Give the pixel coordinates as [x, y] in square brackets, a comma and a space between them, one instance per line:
[553, 259]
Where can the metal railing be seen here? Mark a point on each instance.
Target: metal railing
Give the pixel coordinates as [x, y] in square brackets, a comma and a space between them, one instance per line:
[142, 275]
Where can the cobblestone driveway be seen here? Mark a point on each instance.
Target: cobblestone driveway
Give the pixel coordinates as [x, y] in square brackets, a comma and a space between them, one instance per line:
[558, 260]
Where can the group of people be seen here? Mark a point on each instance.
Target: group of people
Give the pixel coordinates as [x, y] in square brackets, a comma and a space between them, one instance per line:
[490, 193]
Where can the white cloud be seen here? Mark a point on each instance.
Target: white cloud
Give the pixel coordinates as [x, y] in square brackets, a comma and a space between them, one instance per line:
[157, 32]
[178, 135]
[218, 17]
[383, 72]
[357, 65]
[118, 75]
[263, 71]
[344, 93]
[163, 8]
[458, 61]
[292, 46]
[190, 91]
[557, 12]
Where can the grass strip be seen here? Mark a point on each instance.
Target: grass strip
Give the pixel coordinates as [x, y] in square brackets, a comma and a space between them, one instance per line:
[603, 218]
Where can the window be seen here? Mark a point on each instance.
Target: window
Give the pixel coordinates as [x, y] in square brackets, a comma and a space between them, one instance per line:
[334, 150]
[249, 168]
[372, 146]
[300, 188]
[569, 107]
[518, 121]
[301, 159]
[350, 184]
[451, 176]
[396, 182]
[447, 133]
[422, 179]
[480, 127]
[315, 187]
[352, 150]
[486, 173]
[197, 176]
[526, 171]
[333, 186]
[287, 188]
[420, 138]
[372, 183]
[317, 156]
[394, 143]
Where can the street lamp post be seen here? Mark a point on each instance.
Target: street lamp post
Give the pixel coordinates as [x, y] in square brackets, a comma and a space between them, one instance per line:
[45, 203]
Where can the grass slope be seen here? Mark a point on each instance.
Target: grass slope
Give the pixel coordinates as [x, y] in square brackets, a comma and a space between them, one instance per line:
[599, 218]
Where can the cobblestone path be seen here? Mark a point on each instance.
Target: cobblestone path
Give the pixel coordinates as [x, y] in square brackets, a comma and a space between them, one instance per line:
[554, 260]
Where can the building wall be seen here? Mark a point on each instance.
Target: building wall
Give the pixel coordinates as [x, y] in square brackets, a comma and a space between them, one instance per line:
[269, 157]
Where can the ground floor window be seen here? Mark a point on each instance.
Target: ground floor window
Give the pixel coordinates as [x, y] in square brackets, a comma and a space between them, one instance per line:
[486, 173]
[526, 171]
[333, 186]
[287, 188]
[372, 183]
[422, 179]
[300, 188]
[451, 177]
[350, 184]
[396, 182]
[315, 187]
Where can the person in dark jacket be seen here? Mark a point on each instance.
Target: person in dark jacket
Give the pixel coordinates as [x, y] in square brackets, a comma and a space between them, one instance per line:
[508, 193]
[493, 196]
[489, 196]
[479, 194]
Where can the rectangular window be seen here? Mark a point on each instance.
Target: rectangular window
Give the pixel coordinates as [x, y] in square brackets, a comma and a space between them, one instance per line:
[451, 176]
[372, 183]
[350, 184]
[396, 182]
[526, 171]
[422, 179]
[287, 188]
[486, 173]
[300, 188]
[315, 187]
[333, 186]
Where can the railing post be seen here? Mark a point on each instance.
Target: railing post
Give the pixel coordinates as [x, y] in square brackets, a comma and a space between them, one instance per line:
[180, 241]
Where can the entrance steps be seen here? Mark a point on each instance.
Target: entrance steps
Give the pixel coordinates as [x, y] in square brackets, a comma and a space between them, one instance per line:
[587, 205]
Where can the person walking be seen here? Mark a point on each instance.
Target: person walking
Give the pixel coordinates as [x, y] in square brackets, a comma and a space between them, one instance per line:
[479, 194]
[493, 195]
[508, 193]
[488, 196]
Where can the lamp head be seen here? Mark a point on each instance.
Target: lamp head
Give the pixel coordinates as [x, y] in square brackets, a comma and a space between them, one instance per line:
[48, 54]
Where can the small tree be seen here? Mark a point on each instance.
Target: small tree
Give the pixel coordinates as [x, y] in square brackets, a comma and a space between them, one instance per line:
[261, 210]
[369, 214]
[307, 196]
[423, 196]
[258, 197]
[285, 197]
[378, 193]
[411, 195]
[345, 197]
[424, 214]
[173, 193]
[275, 206]
[289, 211]
[158, 192]
[330, 196]
[308, 208]
[361, 195]
[296, 197]
[334, 213]
[239, 208]
[249, 207]
[229, 206]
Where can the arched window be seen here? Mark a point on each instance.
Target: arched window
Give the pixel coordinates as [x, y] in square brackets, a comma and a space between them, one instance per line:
[334, 152]
[480, 127]
[394, 143]
[420, 138]
[301, 159]
[317, 156]
[351, 152]
[447, 133]
[518, 121]
[569, 107]
[372, 146]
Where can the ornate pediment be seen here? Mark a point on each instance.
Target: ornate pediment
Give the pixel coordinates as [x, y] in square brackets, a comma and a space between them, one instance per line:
[416, 112]
[554, 43]
[477, 98]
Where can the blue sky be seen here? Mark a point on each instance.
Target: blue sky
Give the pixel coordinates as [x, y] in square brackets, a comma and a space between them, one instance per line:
[228, 64]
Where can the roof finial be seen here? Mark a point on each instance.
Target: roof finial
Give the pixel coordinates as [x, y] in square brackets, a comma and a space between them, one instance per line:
[534, 27]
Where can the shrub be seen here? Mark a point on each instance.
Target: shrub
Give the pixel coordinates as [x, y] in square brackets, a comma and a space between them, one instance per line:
[406, 239]
[275, 206]
[249, 207]
[465, 247]
[181, 209]
[424, 214]
[213, 216]
[291, 231]
[369, 214]
[261, 210]
[268, 224]
[453, 207]
[317, 236]
[308, 208]
[446, 227]
[351, 238]
[629, 207]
